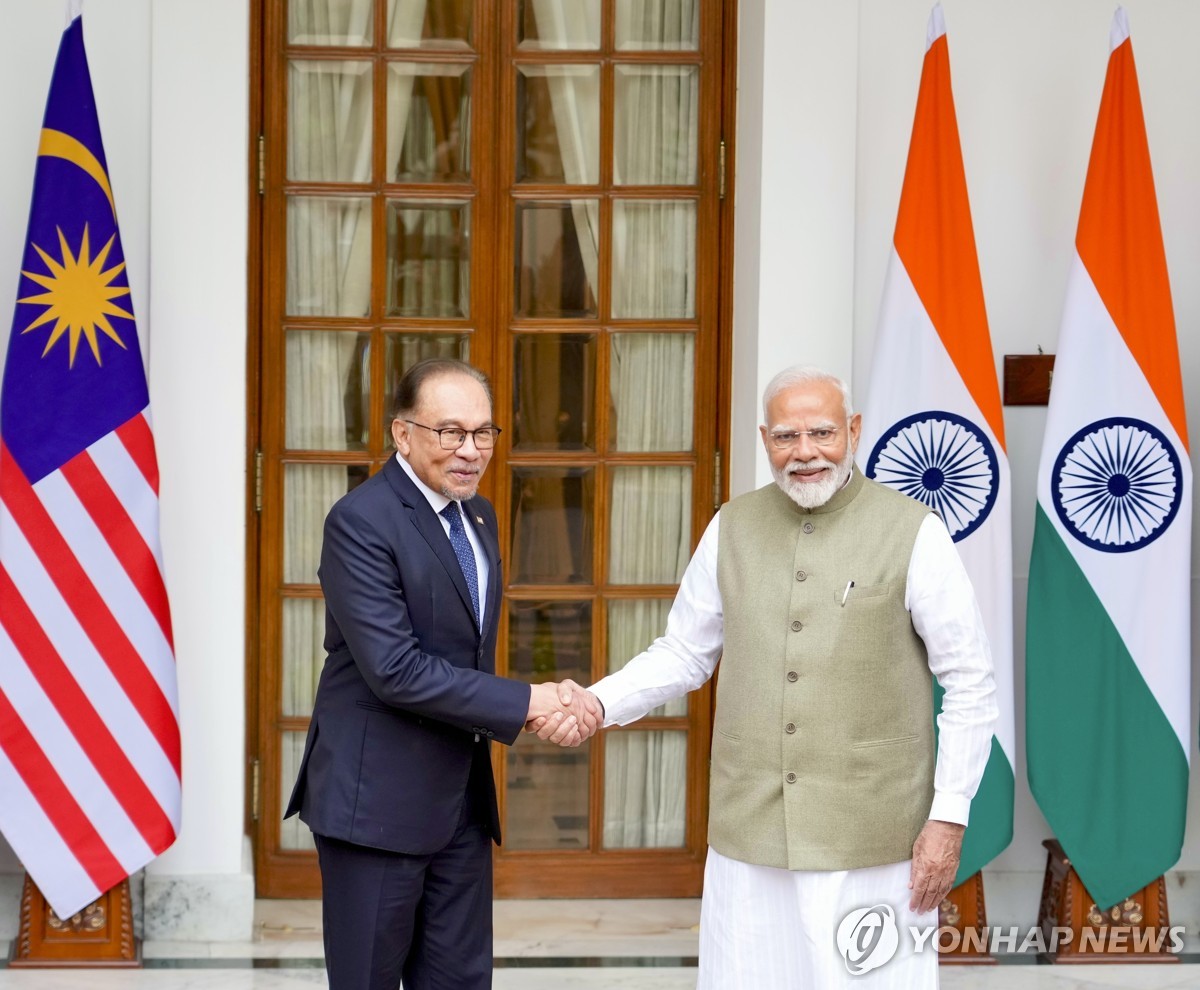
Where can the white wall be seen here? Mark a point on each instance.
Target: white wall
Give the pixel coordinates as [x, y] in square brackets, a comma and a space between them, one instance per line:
[172, 86]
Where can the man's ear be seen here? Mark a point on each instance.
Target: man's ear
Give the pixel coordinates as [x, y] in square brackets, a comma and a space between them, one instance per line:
[855, 431]
[401, 436]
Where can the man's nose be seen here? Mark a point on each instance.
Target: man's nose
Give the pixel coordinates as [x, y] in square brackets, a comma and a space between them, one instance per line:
[804, 448]
[469, 449]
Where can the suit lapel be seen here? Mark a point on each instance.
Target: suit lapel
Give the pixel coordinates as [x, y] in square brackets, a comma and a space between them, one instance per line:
[426, 522]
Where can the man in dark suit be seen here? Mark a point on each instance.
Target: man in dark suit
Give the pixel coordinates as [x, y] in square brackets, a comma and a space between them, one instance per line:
[396, 779]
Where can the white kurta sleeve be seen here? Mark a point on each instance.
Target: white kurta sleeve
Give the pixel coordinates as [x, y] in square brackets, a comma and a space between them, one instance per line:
[946, 616]
[685, 656]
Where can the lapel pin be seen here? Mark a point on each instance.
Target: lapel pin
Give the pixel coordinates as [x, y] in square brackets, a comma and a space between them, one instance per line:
[479, 519]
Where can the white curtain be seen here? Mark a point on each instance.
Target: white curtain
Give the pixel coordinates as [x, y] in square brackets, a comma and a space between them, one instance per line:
[575, 103]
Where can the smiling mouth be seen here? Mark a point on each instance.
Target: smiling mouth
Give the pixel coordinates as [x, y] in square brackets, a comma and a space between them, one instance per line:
[809, 474]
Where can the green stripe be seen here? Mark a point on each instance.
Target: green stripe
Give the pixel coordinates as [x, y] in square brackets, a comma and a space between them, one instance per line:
[991, 826]
[1105, 765]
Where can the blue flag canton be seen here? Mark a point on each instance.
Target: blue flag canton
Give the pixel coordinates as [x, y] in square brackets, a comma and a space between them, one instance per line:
[74, 370]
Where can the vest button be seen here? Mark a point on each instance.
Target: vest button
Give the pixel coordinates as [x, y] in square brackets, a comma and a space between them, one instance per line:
[797, 625]
[802, 575]
[809, 527]
[790, 728]
[793, 676]
[790, 778]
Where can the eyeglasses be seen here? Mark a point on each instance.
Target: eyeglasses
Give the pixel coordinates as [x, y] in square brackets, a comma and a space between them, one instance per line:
[823, 437]
[451, 437]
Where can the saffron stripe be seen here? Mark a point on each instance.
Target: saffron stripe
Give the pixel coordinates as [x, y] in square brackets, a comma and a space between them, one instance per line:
[136, 437]
[81, 717]
[56, 801]
[88, 607]
[121, 534]
[936, 240]
[1119, 238]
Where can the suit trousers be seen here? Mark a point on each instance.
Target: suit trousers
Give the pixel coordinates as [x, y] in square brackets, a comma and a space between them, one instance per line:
[423, 919]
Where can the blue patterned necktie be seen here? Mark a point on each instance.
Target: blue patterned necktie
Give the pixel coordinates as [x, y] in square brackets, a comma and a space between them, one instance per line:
[464, 553]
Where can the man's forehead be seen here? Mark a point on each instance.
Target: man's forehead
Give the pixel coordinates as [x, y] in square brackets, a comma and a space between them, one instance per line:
[809, 399]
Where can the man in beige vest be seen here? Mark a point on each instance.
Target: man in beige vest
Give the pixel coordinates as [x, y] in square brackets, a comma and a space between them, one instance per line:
[833, 602]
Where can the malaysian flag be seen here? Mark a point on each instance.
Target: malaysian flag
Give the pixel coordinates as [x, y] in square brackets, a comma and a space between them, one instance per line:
[89, 723]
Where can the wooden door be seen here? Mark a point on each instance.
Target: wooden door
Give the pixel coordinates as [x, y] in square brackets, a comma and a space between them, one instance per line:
[534, 186]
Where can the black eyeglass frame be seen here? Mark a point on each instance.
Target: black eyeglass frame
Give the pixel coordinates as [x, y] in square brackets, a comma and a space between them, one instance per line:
[490, 433]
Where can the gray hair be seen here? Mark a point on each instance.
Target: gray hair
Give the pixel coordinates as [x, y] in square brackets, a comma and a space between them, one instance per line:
[804, 374]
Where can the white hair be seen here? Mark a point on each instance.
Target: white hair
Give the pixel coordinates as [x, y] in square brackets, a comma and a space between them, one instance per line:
[804, 374]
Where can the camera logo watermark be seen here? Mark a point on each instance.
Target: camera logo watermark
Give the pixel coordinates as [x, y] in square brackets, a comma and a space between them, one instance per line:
[868, 938]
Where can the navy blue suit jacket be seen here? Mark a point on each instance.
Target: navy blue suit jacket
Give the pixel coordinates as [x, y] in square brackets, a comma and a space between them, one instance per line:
[410, 679]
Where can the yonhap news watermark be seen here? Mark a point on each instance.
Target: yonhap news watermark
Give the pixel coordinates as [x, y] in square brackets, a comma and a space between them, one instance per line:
[870, 937]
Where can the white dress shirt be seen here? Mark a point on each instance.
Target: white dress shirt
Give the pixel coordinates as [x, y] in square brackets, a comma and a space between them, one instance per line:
[944, 613]
[437, 501]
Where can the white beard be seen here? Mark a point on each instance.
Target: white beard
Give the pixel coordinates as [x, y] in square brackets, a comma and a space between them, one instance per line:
[812, 494]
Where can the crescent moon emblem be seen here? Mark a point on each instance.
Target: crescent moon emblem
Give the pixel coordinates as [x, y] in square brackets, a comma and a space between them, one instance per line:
[56, 144]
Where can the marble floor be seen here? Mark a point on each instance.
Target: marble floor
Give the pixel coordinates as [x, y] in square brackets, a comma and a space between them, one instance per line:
[620, 944]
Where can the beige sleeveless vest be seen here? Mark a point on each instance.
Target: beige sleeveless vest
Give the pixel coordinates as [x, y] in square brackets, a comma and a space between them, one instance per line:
[823, 745]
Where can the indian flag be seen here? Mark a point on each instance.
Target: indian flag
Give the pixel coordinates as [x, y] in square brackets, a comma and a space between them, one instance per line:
[1107, 643]
[932, 423]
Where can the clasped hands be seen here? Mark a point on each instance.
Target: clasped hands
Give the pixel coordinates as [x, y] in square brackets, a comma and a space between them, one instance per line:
[563, 713]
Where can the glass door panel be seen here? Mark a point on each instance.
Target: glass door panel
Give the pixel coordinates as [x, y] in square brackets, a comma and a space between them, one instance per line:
[548, 641]
[554, 377]
[652, 382]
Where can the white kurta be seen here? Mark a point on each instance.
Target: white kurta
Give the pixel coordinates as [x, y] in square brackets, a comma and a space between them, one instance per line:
[745, 913]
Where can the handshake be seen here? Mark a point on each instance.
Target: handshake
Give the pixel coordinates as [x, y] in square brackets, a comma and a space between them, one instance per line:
[563, 713]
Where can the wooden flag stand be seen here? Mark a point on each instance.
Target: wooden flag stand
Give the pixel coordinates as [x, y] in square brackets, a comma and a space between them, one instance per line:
[1124, 933]
[965, 912]
[101, 935]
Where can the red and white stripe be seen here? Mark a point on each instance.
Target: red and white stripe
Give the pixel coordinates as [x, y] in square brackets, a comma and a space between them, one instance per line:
[89, 714]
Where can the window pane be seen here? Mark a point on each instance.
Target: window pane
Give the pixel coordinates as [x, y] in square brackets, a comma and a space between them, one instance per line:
[654, 259]
[645, 789]
[429, 23]
[558, 123]
[661, 25]
[557, 259]
[552, 525]
[331, 22]
[548, 785]
[650, 524]
[329, 121]
[293, 833]
[328, 390]
[308, 492]
[429, 258]
[554, 25]
[403, 350]
[652, 378]
[553, 388]
[303, 653]
[632, 626]
[656, 126]
[328, 256]
[428, 123]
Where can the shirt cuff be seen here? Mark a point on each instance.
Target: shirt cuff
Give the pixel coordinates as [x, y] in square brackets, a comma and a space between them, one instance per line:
[950, 808]
[602, 692]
